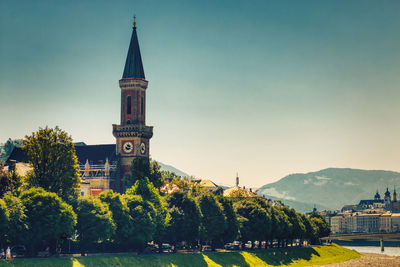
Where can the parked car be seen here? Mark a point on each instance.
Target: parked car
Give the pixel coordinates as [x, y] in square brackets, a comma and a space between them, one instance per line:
[248, 244]
[236, 245]
[166, 246]
[206, 248]
[18, 251]
[229, 246]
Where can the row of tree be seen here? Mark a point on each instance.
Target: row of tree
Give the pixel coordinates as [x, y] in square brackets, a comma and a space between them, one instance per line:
[43, 210]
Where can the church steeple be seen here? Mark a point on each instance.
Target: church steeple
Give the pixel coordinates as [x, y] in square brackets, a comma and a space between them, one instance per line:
[132, 135]
[133, 64]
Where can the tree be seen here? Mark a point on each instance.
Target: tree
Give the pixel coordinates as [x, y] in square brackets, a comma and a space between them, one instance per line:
[95, 223]
[3, 221]
[297, 228]
[18, 220]
[322, 228]
[280, 225]
[213, 221]
[9, 181]
[48, 219]
[185, 218]
[310, 233]
[232, 225]
[252, 218]
[142, 213]
[55, 165]
[148, 192]
[120, 213]
[144, 167]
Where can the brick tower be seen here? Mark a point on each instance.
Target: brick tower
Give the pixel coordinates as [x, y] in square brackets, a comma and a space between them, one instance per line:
[133, 136]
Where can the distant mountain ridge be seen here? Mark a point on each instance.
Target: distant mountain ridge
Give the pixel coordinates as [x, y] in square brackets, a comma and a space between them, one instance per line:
[165, 167]
[332, 188]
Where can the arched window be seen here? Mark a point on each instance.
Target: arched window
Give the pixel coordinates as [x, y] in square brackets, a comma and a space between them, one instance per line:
[142, 105]
[128, 105]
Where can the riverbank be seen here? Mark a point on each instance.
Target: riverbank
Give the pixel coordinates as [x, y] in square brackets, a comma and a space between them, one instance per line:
[370, 259]
[305, 256]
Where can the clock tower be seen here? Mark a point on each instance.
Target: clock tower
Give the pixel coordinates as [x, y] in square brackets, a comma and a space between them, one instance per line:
[133, 136]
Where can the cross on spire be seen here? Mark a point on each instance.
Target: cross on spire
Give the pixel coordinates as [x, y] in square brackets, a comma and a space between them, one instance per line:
[134, 21]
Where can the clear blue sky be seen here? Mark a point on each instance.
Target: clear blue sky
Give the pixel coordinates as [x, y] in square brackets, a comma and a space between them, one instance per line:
[263, 88]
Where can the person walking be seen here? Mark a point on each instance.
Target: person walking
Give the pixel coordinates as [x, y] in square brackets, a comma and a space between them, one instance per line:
[8, 253]
[2, 254]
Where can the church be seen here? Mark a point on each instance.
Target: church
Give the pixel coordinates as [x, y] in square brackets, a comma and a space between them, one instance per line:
[103, 167]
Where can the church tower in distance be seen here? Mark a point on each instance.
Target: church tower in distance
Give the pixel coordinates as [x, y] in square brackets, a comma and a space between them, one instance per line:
[133, 136]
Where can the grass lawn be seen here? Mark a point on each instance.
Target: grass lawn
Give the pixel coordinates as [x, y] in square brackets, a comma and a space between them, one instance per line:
[277, 257]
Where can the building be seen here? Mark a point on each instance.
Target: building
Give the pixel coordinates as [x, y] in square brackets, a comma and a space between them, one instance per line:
[236, 191]
[385, 223]
[103, 167]
[338, 224]
[132, 135]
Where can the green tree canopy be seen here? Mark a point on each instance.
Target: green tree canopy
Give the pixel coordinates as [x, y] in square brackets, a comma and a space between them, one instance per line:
[55, 165]
[142, 213]
[9, 181]
[121, 217]
[18, 220]
[322, 227]
[185, 216]
[252, 218]
[213, 220]
[95, 223]
[144, 188]
[232, 225]
[310, 233]
[144, 167]
[48, 218]
[3, 221]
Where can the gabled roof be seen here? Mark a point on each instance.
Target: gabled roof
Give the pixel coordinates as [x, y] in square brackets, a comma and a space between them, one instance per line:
[133, 65]
[96, 154]
[208, 183]
[17, 154]
[236, 191]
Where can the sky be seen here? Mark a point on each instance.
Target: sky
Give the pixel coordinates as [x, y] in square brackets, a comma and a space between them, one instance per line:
[259, 88]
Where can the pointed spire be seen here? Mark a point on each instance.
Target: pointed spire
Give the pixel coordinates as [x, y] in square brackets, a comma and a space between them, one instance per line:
[133, 64]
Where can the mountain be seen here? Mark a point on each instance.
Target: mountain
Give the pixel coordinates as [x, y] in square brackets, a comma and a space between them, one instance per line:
[331, 188]
[165, 167]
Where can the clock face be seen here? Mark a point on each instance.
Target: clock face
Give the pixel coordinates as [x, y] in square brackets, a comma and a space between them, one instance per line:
[128, 147]
[142, 148]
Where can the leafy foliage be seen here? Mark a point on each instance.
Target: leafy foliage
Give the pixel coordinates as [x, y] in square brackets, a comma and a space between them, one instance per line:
[142, 213]
[3, 220]
[252, 218]
[144, 167]
[17, 218]
[48, 218]
[213, 223]
[9, 181]
[55, 165]
[121, 217]
[148, 192]
[185, 218]
[95, 222]
[322, 227]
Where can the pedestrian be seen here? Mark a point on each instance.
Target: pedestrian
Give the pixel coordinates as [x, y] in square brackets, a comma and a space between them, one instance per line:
[2, 254]
[8, 253]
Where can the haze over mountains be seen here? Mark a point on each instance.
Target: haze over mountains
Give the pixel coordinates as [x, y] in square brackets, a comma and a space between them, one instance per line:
[330, 188]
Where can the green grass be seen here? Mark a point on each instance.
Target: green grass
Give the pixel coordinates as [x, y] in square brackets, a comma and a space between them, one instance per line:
[277, 257]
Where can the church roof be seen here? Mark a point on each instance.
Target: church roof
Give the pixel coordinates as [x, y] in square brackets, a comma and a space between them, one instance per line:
[236, 191]
[96, 154]
[208, 183]
[133, 65]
